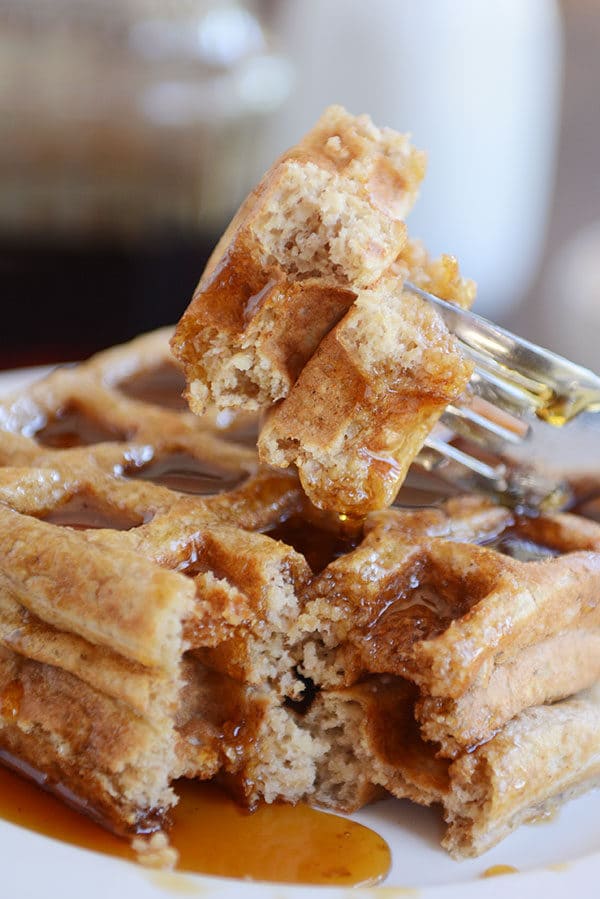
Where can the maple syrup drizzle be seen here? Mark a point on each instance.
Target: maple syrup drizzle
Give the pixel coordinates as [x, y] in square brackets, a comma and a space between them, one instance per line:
[184, 473]
[214, 836]
[81, 512]
[559, 409]
[72, 427]
[318, 545]
[162, 386]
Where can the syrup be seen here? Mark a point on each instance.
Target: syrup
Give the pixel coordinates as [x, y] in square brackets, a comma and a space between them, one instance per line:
[558, 410]
[318, 545]
[182, 472]
[162, 386]
[214, 836]
[81, 512]
[72, 427]
[500, 870]
[10, 700]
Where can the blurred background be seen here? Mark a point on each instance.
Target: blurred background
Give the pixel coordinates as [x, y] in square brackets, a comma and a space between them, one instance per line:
[130, 130]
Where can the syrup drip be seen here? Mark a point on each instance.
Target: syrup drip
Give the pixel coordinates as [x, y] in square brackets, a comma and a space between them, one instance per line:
[81, 512]
[279, 843]
[162, 386]
[182, 472]
[71, 427]
[558, 410]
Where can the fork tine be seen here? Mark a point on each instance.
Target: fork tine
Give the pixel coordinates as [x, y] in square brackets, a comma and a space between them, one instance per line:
[464, 420]
[442, 452]
[520, 488]
[521, 396]
[536, 392]
[555, 388]
[517, 378]
[499, 394]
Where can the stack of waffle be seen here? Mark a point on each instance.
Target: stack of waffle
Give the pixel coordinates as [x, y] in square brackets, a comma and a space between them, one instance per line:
[149, 634]
[140, 626]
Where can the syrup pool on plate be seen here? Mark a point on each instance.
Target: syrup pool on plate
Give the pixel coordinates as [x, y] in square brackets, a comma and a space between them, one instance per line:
[214, 836]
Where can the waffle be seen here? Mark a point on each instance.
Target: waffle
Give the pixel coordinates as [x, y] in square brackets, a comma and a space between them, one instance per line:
[326, 217]
[544, 756]
[447, 668]
[372, 746]
[301, 310]
[481, 633]
[541, 758]
[134, 643]
[236, 632]
[362, 406]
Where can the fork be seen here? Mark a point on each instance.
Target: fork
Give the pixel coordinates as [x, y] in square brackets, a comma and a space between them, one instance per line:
[515, 384]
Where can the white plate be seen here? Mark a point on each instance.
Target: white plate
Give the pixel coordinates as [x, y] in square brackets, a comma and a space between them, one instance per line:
[553, 859]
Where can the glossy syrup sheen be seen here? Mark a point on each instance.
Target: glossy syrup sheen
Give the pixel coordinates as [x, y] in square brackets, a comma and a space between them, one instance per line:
[214, 836]
[318, 545]
[72, 427]
[186, 474]
[162, 386]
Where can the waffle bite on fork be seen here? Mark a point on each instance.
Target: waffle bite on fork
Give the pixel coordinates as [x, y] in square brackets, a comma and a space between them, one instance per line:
[301, 309]
[326, 218]
[364, 403]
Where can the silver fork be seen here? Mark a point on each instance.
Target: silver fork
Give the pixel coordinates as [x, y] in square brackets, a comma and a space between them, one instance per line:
[515, 386]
